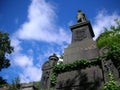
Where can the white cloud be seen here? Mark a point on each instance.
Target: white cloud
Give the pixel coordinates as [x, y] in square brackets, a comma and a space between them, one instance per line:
[23, 60]
[102, 20]
[30, 74]
[41, 24]
[16, 44]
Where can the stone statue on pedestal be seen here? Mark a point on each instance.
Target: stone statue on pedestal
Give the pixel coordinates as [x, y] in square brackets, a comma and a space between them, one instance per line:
[81, 16]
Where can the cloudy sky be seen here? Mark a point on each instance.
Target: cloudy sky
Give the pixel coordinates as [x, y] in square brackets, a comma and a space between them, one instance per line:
[39, 28]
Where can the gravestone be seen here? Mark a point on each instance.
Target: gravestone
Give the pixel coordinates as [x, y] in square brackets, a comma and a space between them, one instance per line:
[82, 47]
[46, 72]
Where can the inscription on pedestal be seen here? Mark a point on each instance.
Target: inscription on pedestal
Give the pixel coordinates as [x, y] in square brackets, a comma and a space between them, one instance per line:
[80, 35]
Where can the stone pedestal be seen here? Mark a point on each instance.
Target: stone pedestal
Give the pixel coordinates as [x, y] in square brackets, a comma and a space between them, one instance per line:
[81, 31]
[82, 45]
[80, 50]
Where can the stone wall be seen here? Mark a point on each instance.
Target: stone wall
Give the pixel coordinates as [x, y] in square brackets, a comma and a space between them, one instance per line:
[85, 79]
[27, 86]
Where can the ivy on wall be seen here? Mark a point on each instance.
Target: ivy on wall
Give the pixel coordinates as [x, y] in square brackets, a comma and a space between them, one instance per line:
[111, 84]
[113, 54]
[77, 65]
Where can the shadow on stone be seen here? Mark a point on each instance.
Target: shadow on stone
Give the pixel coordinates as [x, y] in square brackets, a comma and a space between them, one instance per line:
[80, 81]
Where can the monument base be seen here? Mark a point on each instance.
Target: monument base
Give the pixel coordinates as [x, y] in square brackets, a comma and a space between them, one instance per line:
[86, 49]
[85, 79]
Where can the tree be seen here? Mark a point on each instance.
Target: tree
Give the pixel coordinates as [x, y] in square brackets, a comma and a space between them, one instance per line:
[5, 49]
[110, 36]
[15, 84]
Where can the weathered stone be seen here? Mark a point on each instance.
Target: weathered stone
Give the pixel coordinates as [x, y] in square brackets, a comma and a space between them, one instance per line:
[108, 66]
[85, 79]
[80, 50]
[46, 72]
[46, 68]
[82, 47]
[27, 86]
[81, 31]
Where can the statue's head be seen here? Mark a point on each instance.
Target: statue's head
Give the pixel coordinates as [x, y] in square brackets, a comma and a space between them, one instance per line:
[79, 10]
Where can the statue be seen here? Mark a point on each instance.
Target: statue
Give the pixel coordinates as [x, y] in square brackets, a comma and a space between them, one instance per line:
[81, 16]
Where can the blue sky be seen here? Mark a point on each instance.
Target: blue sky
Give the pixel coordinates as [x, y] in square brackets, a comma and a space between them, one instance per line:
[39, 28]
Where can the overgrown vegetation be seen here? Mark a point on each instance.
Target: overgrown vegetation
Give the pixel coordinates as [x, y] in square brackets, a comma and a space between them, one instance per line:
[111, 84]
[77, 65]
[111, 38]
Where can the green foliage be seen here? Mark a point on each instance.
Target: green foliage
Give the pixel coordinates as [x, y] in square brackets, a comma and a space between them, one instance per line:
[5, 49]
[37, 85]
[77, 65]
[111, 39]
[114, 52]
[53, 78]
[111, 85]
[15, 84]
[110, 36]
[114, 55]
[2, 82]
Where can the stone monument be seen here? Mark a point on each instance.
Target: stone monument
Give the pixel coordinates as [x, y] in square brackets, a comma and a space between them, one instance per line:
[82, 47]
[46, 72]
